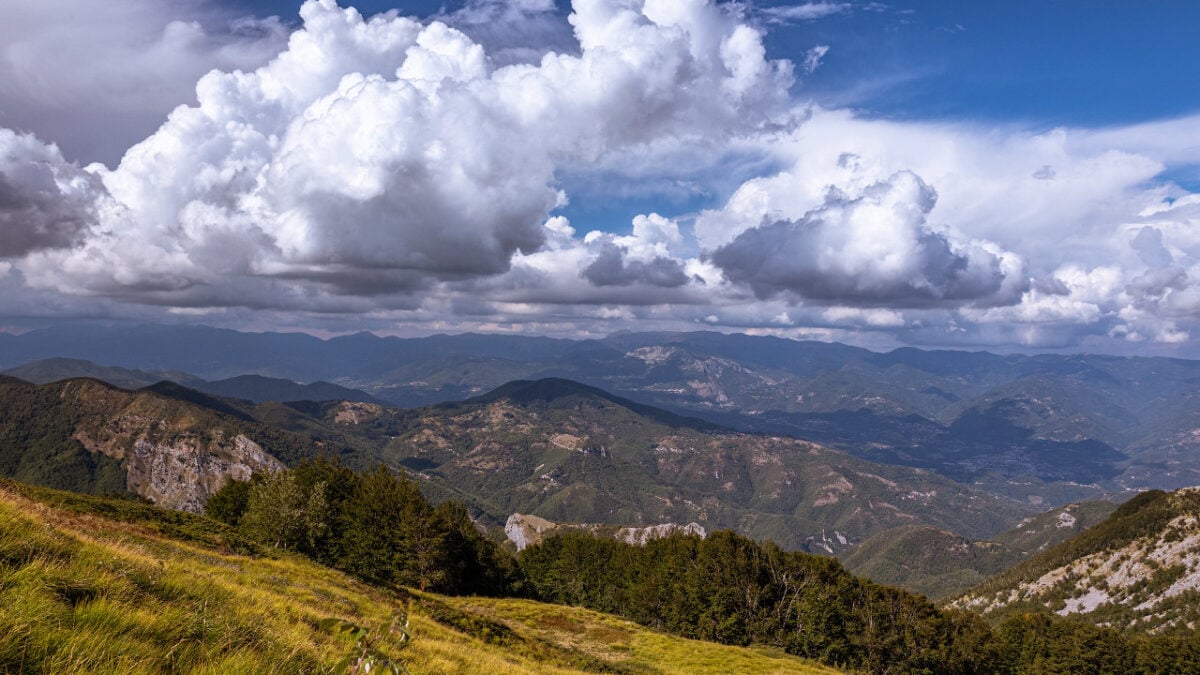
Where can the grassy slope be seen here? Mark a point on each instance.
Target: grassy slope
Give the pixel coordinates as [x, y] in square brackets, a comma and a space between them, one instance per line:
[141, 590]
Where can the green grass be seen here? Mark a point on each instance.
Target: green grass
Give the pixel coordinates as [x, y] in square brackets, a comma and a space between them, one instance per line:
[608, 639]
[107, 585]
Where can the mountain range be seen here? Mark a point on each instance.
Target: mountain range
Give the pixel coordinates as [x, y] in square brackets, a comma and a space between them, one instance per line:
[929, 470]
[551, 448]
[1047, 429]
[549, 453]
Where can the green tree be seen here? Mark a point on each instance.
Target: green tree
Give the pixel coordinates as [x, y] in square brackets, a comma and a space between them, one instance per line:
[280, 513]
[229, 503]
[379, 540]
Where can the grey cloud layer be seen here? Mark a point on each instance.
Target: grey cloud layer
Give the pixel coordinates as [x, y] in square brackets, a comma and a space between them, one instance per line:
[124, 64]
[610, 268]
[45, 203]
[875, 249]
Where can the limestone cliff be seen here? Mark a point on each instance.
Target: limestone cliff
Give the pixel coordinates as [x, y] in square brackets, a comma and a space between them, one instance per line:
[526, 530]
[174, 454]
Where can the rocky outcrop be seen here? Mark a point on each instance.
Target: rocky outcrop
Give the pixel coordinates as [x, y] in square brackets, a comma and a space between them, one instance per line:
[523, 530]
[179, 471]
[182, 475]
[174, 454]
[1149, 581]
[526, 530]
[640, 535]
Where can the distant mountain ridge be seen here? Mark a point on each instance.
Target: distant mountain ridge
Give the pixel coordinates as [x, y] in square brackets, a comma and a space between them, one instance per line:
[258, 389]
[50, 370]
[555, 390]
[1050, 429]
[255, 388]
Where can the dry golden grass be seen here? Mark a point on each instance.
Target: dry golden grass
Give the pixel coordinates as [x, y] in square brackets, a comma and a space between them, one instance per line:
[83, 593]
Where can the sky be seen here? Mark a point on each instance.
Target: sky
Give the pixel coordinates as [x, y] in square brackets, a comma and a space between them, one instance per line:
[1010, 176]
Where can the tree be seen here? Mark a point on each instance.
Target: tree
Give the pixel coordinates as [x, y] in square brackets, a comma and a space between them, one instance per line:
[279, 513]
[382, 530]
[229, 503]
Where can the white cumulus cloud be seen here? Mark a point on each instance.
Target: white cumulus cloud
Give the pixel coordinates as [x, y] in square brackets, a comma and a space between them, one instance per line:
[377, 156]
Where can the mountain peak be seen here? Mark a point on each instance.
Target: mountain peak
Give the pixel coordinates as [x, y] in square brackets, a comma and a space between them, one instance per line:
[550, 390]
[523, 392]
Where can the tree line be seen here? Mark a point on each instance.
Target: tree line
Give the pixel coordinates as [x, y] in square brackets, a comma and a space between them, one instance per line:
[725, 588]
[730, 589]
[375, 525]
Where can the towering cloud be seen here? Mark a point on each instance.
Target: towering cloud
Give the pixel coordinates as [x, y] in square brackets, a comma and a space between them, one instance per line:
[378, 156]
[390, 169]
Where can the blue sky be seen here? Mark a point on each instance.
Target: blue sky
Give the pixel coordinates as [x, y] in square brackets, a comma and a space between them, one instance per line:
[1041, 62]
[1001, 175]
[1037, 62]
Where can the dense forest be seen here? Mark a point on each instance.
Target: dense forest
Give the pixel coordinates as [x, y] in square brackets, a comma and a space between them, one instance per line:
[374, 524]
[730, 589]
[725, 588]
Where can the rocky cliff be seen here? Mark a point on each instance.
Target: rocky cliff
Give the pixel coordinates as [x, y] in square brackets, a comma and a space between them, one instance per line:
[527, 530]
[89, 436]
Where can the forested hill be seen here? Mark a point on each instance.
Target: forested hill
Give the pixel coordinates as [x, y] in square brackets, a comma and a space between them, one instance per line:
[571, 453]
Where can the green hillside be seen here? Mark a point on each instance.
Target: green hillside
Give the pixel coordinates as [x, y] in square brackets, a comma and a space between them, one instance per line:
[570, 453]
[102, 585]
[939, 563]
[1137, 569]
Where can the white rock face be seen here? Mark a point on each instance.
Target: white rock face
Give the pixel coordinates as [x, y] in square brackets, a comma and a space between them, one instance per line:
[183, 474]
[641, 535]
[1143, 575]
[526, 530]
[653, 355]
